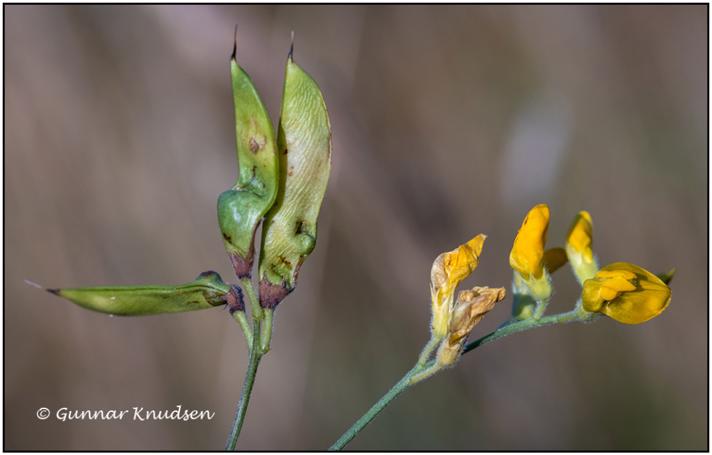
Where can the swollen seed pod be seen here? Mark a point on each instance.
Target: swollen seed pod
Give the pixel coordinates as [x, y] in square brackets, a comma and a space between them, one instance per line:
[304, 143]
[207, 291]
[242, 207]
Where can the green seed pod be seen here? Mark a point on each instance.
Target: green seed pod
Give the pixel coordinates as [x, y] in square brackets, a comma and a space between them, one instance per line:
[207, 291]
[304, 143]
[242, 207]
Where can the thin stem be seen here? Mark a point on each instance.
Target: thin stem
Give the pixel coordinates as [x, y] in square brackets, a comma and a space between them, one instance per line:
[241, 412]
[428, 350]
[255, 356]
[527, 324]
[420, 372]
[241, 319]
[266, 330]
[396, 390]
[426, 371]
[540, 308]
[255, 308]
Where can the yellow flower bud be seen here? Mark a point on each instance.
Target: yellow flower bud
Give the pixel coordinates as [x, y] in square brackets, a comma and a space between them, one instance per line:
[578, 247]
[527, 255]
[471, 307]
[448, 270]
[626, 293]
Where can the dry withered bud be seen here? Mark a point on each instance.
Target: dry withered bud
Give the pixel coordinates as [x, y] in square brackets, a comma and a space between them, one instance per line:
[471, 306]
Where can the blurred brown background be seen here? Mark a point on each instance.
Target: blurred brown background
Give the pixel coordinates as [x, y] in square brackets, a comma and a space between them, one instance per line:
[447, 122]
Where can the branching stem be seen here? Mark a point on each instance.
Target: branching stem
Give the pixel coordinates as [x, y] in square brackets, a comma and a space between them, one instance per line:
[256, 342]
[423, 371]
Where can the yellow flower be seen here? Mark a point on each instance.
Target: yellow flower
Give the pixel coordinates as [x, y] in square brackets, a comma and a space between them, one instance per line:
[580, 236]
[626, 293]
[578, 247]
[471, 307]
[448, 270]
[527, 255]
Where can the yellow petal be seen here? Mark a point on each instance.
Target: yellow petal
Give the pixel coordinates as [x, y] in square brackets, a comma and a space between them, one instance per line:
[580, 236]
[448, 270]
[626, 293]
[527, 253]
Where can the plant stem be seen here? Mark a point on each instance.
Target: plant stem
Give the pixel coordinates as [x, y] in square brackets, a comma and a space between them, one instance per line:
[255, 308]
[241, 319]
[527, 324]
[428, 350]
[241, 412]
[396, 390]
[266, 331]
[413, 376]
[256, 354]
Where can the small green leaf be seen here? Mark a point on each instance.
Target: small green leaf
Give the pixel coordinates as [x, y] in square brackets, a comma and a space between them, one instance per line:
[242, 207]
[207, 291]
[304, 143]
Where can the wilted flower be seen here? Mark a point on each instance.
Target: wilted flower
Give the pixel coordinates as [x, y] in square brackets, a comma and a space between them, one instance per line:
[626, 293]
[448, 270]
[472, 305]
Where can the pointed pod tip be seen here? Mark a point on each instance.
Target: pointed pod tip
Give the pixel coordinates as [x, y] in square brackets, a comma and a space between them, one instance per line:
[290, 55]
[54, 291]
[234, 44]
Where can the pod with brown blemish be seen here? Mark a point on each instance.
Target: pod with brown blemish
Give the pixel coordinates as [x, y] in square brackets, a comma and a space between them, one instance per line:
[207, 291]
[304, 142]
[241, 208]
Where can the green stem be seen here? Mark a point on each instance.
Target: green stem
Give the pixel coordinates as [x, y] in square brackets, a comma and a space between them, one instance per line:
[241, 319]
[256, 309]
[527, 324]
[396, 390]
[428, 350]
[256, 354]
[540, 308]
[266, 330]
[241, 412]
[420, 372]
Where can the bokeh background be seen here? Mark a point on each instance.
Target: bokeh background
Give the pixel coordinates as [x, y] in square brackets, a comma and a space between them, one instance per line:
[447, 122]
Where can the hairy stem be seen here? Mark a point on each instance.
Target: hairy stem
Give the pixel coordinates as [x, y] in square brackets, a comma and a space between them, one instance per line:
[424, 371]
[428, 350]
[396, 390]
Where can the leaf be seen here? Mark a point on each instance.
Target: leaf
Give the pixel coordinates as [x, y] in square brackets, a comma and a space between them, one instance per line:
[207, 291]
[290, 227]
[242, 207]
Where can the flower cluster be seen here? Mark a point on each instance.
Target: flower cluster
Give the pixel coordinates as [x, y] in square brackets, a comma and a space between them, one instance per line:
[622, 291]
